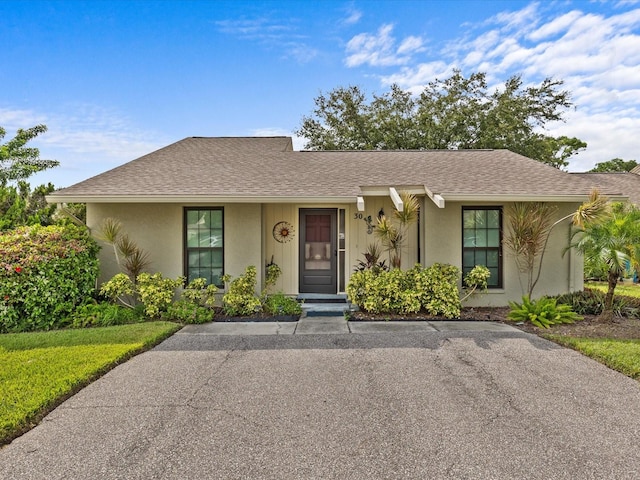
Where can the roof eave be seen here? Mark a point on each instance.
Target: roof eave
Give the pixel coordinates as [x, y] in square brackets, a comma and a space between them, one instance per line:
[199, 199]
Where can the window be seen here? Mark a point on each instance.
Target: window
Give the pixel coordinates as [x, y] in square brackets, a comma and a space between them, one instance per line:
[482, 242]
[204, 244]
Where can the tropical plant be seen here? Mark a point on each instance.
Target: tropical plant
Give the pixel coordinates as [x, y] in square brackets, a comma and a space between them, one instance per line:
[530, 224]
[372, 259]
[614, 244]
[542, 312]
[393, 232]
[591, 302]
[128, 255]
[531, 227]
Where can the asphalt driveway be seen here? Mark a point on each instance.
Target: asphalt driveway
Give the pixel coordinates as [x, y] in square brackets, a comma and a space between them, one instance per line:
[476, 405]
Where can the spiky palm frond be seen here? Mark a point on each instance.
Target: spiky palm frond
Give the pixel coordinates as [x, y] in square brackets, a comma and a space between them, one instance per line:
[410, 210]
[592, 211]
[136, 262]
[109, 230]
[126, 246]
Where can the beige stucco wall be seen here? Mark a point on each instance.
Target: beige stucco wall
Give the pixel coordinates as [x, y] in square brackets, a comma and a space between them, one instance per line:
[157, 229]
[443, 243]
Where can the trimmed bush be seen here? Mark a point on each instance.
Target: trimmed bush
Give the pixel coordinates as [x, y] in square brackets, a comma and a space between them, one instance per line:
[45, 272]
[241, 298]
[432, 290]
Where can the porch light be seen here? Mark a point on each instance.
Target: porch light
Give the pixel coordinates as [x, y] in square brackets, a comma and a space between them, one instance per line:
[360, 203]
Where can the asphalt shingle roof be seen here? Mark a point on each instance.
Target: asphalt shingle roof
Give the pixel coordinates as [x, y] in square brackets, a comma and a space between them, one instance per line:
[626, 182]
[268, 167]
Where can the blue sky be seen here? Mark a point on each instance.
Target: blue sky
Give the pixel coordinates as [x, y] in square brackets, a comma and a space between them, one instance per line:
[114, 80]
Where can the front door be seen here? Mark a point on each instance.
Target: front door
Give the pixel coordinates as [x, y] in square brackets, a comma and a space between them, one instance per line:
[318, 251]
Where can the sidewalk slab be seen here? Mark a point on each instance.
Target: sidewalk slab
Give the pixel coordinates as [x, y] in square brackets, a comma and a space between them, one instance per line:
[471, 326]
[321, 325]
[240, 328]
[389, 327]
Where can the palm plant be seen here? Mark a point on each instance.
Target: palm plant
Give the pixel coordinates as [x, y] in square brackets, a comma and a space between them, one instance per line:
[531, 225]
[613, 244]
[134, 260]
[393, 234]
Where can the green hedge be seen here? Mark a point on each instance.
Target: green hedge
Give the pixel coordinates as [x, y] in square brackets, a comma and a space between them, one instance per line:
[432, 290]
[45, 272]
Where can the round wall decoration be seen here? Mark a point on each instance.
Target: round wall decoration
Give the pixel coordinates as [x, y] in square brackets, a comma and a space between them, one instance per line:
[283, 232]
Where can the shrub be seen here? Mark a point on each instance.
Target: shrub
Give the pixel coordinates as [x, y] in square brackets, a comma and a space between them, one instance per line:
[241, 298]
[542, 313]
[103, 314]
[433, 290]
[280, 304]
[196, 303]
[45, 272]
[154, 292]
[591, 302]
[185, 311]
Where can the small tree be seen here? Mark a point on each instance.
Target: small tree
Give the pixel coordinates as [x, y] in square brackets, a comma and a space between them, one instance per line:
[614, 244]
[17, 161]
[393, 234]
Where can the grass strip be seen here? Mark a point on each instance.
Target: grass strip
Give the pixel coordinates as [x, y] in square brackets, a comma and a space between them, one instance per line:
[627, 290]
[620, 355]
[42, 369]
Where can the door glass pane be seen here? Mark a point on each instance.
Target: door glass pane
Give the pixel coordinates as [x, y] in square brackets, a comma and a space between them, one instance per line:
[317, 248]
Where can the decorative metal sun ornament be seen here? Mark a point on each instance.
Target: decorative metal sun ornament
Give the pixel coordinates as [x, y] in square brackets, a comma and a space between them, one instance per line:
[283, 232]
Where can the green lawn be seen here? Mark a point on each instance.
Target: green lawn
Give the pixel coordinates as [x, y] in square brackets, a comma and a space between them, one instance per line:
[41, 369]
[626, 289]
[620, 355]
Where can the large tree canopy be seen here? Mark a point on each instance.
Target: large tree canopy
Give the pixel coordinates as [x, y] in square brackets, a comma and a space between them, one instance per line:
[17, 161]
[456, 113]
[615, 165]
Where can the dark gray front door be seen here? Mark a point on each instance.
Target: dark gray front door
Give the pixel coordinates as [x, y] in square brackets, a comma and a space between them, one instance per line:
[318, 251]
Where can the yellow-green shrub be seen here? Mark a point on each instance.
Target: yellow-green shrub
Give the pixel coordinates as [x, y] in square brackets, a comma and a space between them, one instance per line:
[432, 290]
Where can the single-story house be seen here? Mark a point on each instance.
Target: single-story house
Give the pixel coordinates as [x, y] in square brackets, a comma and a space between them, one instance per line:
[202, 207]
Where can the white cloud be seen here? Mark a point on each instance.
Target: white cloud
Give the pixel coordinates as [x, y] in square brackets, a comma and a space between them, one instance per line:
[353, 15]
[379, 49]
[597, 56]
[82, 137]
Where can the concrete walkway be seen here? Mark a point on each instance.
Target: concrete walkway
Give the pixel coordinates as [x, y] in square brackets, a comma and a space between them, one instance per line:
[338, 325]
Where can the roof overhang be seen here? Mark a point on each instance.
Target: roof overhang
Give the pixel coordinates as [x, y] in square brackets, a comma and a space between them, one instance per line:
[194, 199]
